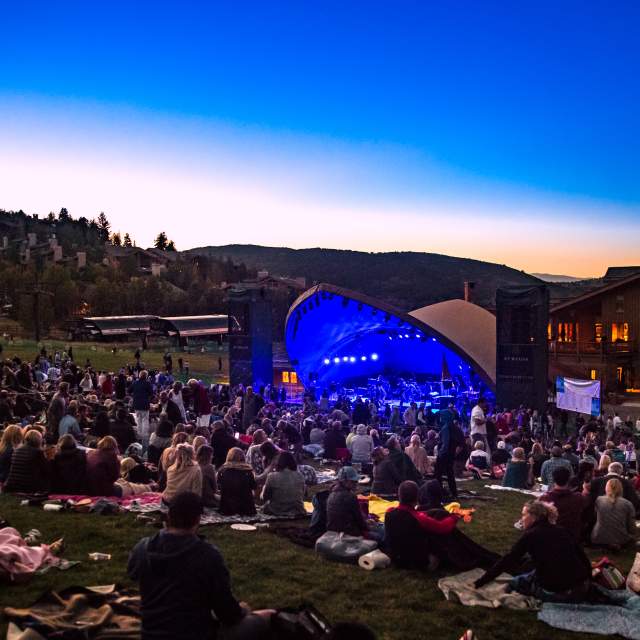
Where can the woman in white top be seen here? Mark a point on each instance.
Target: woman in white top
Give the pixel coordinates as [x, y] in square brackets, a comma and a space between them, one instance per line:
[86, 384]
[175, 395]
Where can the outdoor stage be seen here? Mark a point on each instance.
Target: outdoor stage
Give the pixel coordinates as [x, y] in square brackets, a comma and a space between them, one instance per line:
[347, 344]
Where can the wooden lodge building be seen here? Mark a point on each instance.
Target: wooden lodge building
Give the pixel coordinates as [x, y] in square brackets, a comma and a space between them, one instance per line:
[597, 335]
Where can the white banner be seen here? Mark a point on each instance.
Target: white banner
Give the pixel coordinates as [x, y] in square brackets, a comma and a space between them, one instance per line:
[582, 396]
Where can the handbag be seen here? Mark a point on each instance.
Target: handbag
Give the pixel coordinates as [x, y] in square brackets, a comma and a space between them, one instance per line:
[607, 575]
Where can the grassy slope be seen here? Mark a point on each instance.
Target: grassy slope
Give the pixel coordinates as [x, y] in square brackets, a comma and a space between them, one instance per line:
[269, 571]
[203, 365]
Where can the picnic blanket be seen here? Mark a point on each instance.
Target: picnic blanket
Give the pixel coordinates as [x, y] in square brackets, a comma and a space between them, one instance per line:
[528, 492]
[459, 588]
[126, 502]
[95, 612]
[622, 618]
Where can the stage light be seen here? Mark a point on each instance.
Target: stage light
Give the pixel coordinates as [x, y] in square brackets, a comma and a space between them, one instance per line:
[327, 361]
[433, 340]
[406, 335]
[374, 356]
[400, 336]
[390, 337]
[363, 358]
[336, 360]
[345, 358]
[352, 359]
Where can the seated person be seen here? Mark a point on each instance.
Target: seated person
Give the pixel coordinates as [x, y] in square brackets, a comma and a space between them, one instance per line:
[555, 461]
[30, 470]
[402, 462]
[184, 475]
[500, 456]
[569, 504]
[254, 455]
[418, 455]
[69, 423]
[518, 473]
[614, 471]
[11, 440]
[360, 446]
[236, 484]
[479, 459]
[103, 468]
[204, 456]
[344, 514]
[283, 491]
[122, 430]
[69, 467]
[415, 540]
[562, 571]
[615, 518]
[386, 478]
[183, 581]
[159, 441]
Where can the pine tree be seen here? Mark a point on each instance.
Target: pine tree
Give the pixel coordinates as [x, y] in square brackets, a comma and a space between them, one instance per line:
[116, 240]
[127, 240]
[104, 227]
[161, 241]
[171, 245]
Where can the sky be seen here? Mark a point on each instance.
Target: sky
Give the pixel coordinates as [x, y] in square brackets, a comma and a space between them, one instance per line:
[506, 132]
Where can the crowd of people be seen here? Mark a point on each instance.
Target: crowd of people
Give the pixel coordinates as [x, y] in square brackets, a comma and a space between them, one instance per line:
[72, 430]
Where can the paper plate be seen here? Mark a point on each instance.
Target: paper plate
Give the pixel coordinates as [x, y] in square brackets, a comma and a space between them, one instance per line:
[243, 527]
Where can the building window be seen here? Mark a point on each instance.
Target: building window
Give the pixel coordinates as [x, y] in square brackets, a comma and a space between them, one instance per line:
[567, 331]
[294, 377]
[549, 332]
[619, 304]
[620, 332]
[285, 376]
[619, 374]
[599, 331]
[594, 374]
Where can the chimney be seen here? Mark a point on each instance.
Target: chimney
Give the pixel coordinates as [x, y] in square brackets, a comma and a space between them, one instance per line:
[468, 288]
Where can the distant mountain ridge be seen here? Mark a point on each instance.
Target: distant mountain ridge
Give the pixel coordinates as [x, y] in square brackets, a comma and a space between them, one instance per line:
[550, 277]
[406, 279]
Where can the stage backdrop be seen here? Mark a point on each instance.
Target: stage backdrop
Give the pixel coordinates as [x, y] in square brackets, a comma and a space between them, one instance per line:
[582, 396]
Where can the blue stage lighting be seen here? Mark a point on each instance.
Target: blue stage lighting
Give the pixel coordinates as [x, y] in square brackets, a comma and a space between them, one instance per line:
[390, 337]
[400, 336]
[345, 358]
[363, 358]
[406, 335]
[327, 361]
[374, 356]
[352, 359]
[336, 360]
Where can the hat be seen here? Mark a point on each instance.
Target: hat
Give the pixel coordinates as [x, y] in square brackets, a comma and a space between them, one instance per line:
[501, 444]
[348, 473]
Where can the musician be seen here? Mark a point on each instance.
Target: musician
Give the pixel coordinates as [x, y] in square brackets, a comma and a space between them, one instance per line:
[411, 415]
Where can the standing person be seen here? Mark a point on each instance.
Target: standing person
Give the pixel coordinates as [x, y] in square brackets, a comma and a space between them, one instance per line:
[201, 402]
[183, 581]
[451, 439]
[142, 392]
[479, 425]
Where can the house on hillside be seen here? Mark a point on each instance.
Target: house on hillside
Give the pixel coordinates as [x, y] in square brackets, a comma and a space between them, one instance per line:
[597, 335]
[146, 261]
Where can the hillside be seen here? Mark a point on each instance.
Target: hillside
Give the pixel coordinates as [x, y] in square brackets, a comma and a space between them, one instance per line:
[407, 279]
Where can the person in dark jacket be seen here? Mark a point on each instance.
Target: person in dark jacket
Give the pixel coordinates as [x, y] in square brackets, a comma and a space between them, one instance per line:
[30, 470]
[101, 426]
[420, 540]
[6, 410]
[569, 504]
[69, 467]
[103, 468]
[237, 484]
[120, 386]
[334, 439]
[122, 431]
[403, 463]
[561, 572]
[183, 581]
[142, 392]
[451, 439]
[222, 442]
[343, 511]
[386, 478]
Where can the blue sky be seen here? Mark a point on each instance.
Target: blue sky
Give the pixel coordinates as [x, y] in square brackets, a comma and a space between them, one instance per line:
[487, 129]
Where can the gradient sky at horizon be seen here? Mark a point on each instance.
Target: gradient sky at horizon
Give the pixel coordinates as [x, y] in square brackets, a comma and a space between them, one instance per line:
[497, 132]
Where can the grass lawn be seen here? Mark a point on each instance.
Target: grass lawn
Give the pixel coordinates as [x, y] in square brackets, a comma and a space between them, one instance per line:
[268, 571]
[202, 365]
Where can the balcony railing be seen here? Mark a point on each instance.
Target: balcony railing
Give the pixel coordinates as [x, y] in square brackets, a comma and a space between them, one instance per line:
[587, 348]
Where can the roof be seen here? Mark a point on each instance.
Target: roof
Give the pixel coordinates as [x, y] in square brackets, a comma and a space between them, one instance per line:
[329, 325]
[618, 273]
[192, 326]
[116, 325]
[470, 327]
[596, 292]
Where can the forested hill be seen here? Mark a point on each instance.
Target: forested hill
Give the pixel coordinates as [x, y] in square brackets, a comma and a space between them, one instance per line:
[407, 279]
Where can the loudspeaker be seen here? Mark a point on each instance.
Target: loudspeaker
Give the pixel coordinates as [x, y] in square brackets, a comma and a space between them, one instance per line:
[522, 347]
[250, 339]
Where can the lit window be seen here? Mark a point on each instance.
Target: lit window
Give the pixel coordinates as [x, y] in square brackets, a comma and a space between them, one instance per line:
[294, 377]
[594, 374]
[619, 374]
[285, 376]
[620, 332]
[549, 332]
[598, 331]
